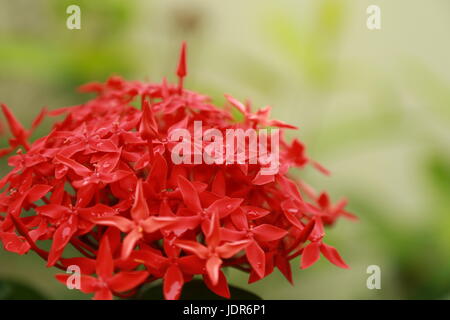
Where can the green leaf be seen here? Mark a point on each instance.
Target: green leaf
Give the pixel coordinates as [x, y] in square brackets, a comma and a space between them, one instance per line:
[15, 290]
[196, 290]
[438, 172]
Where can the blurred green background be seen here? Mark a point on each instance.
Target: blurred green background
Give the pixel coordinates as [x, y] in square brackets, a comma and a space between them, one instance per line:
[372, 106]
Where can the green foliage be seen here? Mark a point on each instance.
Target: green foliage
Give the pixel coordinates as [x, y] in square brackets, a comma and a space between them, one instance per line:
[16, 290]
[310, 47]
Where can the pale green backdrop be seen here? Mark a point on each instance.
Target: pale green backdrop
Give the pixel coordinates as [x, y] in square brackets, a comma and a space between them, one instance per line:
[372, 106]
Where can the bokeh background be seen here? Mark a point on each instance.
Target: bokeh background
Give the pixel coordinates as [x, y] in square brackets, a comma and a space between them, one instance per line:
[372, 106]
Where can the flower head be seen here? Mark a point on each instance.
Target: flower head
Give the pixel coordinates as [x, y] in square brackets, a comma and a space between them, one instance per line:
[105, 182]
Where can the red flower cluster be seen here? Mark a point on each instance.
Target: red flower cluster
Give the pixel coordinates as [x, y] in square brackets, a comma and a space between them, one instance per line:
[103, 182]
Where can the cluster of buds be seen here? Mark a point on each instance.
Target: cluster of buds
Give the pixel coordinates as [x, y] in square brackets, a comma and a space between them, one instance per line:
[104, 182]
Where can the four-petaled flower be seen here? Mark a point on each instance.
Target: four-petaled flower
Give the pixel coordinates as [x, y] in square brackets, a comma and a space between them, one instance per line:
[107, 282]
[214, 252]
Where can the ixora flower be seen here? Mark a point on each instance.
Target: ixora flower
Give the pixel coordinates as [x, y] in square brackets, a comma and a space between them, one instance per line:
[104, 182]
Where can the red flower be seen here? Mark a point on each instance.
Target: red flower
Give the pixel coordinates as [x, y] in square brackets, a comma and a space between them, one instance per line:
[141, 222]
[173, 268]
[255, 234]
[107, 282]
[213, 253]
[104, 182]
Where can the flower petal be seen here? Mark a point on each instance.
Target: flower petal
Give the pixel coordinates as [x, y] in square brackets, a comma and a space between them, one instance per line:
[310, 255]
[78, 168]
[173, 283]
[61, 238]
[37, 192]
[190, 195]
[228, 250]
[225, 206]
[127, 280]
[256, 257]
[333, 256]
[14, 125]
[150, 258]
[221, 288]
[54, 211]
[192, 264]
[130, 242]
[121, 223]
[268, 232]
[103, 294]
[139, 211]
[212, 268]
[104, 263]
[194, 247]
